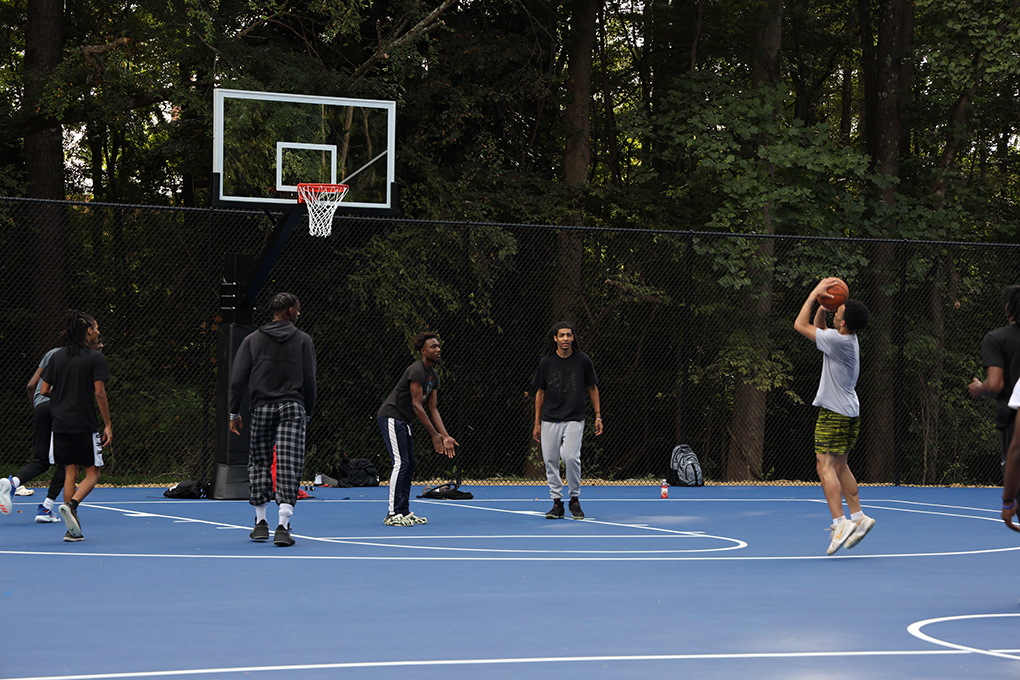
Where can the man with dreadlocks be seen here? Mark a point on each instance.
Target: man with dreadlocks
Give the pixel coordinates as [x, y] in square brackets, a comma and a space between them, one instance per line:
[75, 375]
[42, 447]
[277, 365]
[1000, 355]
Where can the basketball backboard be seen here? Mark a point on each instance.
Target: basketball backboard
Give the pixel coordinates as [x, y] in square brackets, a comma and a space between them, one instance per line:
[266, 143]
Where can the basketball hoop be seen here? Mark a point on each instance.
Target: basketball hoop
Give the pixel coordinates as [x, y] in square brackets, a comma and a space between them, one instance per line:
[322, 201]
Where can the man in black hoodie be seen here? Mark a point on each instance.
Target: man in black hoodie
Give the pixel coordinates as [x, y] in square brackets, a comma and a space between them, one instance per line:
[277, 364]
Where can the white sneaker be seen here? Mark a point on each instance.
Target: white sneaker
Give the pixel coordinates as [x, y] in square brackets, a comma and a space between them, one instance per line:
[840, 533]
[5, 496]
[415, 519]
[24, 491]
[864, 525]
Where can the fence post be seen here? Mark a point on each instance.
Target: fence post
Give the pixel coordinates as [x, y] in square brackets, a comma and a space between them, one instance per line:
[685, 352]
[898, 419]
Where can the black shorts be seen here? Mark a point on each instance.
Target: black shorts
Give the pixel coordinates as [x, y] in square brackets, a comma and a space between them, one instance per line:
[77, 448]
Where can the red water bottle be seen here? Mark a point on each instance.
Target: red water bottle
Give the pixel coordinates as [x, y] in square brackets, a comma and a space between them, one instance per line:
[665, 489]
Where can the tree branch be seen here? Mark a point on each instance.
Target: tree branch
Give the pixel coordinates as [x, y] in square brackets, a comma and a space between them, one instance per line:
[89, 52]
[423, 27]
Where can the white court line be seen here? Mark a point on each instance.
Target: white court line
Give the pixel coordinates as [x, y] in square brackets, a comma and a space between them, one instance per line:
[512, 557]
[738, 544]
[915, 630]
[498, 661]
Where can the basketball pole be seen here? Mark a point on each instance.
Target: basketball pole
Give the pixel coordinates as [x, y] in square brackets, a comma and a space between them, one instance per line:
[242, 283]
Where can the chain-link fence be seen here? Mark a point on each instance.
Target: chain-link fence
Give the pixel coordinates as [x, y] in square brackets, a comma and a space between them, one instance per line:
[691, 334]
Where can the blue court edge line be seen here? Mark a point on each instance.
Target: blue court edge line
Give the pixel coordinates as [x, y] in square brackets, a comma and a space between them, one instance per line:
[503, 661]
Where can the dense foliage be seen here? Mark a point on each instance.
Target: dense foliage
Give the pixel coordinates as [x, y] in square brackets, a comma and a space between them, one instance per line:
[884, 119]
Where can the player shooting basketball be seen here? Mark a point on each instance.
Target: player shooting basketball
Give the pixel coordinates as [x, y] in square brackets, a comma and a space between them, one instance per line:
[839, 409]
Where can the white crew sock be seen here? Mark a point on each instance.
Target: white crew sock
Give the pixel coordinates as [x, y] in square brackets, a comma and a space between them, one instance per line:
[48, 503]
[15, 483]
[260, 513]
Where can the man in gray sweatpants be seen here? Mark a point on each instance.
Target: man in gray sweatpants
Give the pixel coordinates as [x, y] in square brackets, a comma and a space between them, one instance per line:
[564, 374]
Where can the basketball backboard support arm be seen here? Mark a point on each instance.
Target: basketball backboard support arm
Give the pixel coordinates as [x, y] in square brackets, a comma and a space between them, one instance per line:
[263, 266]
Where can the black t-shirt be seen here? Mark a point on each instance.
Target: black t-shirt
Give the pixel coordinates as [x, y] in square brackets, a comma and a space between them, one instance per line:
[398, 404]
[72, 389]
[1001, 348]
[566, 382]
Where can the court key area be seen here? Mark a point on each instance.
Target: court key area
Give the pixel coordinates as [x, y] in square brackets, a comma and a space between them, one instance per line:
[713, 582]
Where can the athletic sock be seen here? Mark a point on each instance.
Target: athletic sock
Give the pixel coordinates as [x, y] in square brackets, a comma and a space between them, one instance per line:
[286, 511]
[48, 503]
[856, 515]
[836, 521]
[15, 483]
[260, 513]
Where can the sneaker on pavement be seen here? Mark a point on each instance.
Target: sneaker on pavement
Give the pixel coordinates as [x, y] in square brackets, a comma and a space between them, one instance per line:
[5, 496]
[415, 519]
[557, 510]
[24, 491]
[575, 509]
[281, 536]
[840, 533]
[260, 532]
[70, 519]
[397, 520]
[73, 539]
[44, 516]
[864, 525]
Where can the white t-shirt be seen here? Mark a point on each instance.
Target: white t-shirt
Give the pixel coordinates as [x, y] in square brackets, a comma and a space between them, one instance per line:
[1014, 399]
[840, 367]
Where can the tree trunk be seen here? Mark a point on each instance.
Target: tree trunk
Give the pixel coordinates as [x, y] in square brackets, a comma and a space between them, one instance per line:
[747, 428]
[44, 169]
[566, 285]
[886, 97]
[577, 154]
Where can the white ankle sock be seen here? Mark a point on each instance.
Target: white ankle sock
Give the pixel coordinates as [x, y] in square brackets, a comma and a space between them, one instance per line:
[260, 513]
[286, 511]
[48, 503]
[857, 515]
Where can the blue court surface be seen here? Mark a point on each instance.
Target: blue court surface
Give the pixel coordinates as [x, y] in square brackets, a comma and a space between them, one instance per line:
[714, 582]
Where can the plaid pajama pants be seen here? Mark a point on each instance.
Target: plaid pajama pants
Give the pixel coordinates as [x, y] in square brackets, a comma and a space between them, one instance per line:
[281, 424]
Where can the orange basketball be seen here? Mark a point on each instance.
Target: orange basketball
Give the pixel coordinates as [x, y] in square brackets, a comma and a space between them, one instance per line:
[839, 292]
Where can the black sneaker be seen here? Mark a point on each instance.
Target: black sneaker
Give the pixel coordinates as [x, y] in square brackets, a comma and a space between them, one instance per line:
[71, 538]
[282, 537]
[260, 532]
[557, 510]
[575, 508]
[69, 511]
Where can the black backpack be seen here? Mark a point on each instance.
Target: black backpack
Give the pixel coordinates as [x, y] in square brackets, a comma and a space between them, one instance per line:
[186, 489]
[361, 472]
[684, 468]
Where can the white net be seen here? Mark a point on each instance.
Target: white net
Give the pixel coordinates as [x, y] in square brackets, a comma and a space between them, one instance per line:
[322, 201]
